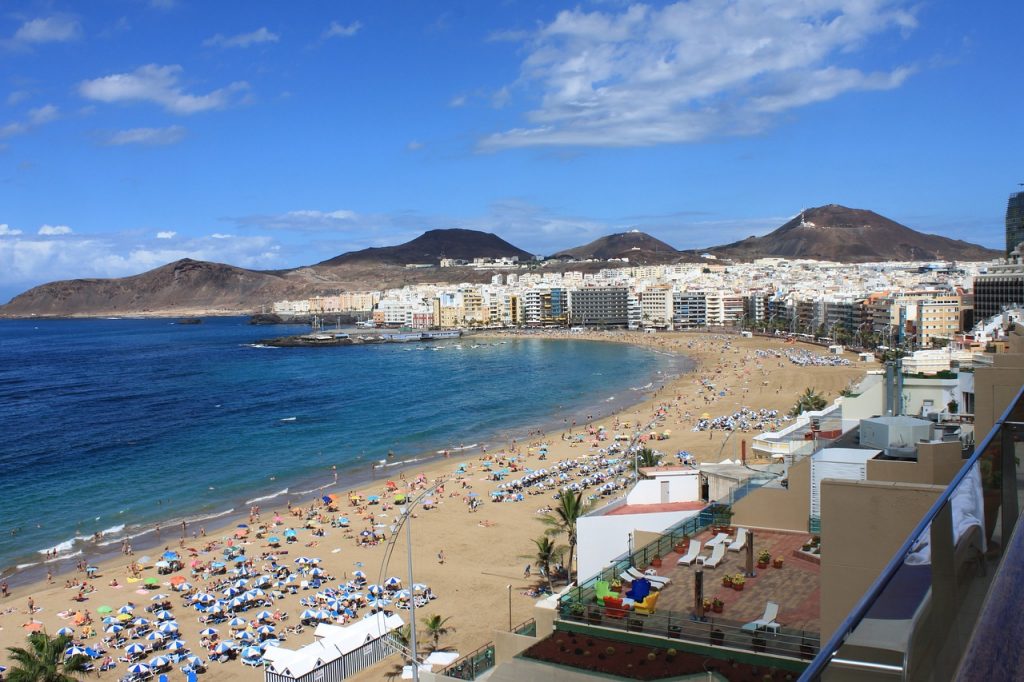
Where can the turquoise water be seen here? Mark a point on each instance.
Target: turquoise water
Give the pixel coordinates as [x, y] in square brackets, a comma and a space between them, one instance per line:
[117, 425]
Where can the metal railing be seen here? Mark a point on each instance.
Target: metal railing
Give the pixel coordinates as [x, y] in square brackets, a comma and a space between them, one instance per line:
[963, 553]
[527, 627]
[714, 632]
[473, 664]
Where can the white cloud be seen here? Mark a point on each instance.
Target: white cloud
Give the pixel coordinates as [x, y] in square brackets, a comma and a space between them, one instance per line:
[414, 146]
[692, 70]
[160, 85]
[7, 231]
[305, 220]
[43, 114]
[34, 117]
[166, 234]
[26, 262]
[457, 101]
[17, 97]
[54, 230]
[336, 30]
[147, 136]
[218, 235]
[260, 35]
[55, 29]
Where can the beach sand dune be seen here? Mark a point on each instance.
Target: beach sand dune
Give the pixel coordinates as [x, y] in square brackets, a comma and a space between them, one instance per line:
[484, 551]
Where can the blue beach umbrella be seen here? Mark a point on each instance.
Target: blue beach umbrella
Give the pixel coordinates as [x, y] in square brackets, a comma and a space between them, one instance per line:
[267, 643]
[238, 623]
[274, 540]
[140, 621]
[264, 616]
[135, 649]
[68, 632]
[193, 660]
[251, 652]
[177, 645]
[164, 615]
[168, 627]
[265, 630]
[75, 651]
[224, 647]
[155, 636]
[245, 636]
[138, 669]
[159, 662]
[127, 609]
[113, 629]
[208, 632]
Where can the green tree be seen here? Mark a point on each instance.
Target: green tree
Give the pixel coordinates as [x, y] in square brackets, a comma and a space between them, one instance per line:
[437, 627]
[43, 660]
[646, 457]
[563, 520]
[403, 638]
[807, 401]
[547, 553]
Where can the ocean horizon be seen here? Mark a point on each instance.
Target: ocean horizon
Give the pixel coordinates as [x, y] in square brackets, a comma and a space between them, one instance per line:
[116, 426]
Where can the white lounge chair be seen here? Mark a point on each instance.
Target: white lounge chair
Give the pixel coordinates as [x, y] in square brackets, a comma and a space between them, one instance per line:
[717, 554]
[657, 581]
[691, 554]
[740, 542]
[717, 540]
[767, 620]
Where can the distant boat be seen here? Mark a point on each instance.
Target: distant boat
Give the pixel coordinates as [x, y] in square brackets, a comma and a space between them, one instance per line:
[190, 320]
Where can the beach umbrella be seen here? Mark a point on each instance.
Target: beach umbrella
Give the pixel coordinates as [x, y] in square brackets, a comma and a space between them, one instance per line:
[420, 587]
[150, 581]
[107, 620]
[379, 603]
[393, 582]
[127, 608]
[404, 595]
[155, 636]
[168, 628]
[75, 651]
[162, 564]
[251, 652]
[193, 660]
[114, 629]
[238, 623]
[160, 662]
[359, 575]
[308, 614]
[160, 597]
[375, 589]
[264, 615]
[170, 555]
[343, 521]
[124, 617]
[177, 645]
[237, 603]
[164, 615]
[262, 581]
[273, 540]
[135, 649]
[33, 626]
[224, 647]
[289, 533]
[208, 632]
[302, 560]
[245, 636]
[265, 630]
[181, 586]
[140, 621]
[65, 631]
[267, 643]
[256, 593]
[138, 669]
[241, 582]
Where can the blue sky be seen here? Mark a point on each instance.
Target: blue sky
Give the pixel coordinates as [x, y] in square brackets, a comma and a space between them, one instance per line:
[269, 134]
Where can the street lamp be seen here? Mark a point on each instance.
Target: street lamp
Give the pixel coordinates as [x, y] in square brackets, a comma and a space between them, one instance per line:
[509, 588]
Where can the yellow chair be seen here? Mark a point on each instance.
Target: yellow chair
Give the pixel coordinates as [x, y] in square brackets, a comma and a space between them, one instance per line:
[648, 604]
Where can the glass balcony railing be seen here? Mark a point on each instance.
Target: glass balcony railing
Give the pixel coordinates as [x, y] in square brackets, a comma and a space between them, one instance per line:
[929, 608]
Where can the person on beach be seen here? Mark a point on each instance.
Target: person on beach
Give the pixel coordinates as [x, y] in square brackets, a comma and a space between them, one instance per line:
[440, 557]
[4, 589]
[31, 605]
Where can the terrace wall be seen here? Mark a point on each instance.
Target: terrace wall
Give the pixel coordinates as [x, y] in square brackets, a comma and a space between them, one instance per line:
[778, 508]
[937, 463]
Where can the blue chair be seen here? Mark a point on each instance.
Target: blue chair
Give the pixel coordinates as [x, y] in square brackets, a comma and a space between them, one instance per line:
[639, 590]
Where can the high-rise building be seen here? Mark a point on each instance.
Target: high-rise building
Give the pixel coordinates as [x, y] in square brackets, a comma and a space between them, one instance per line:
[1014, 221]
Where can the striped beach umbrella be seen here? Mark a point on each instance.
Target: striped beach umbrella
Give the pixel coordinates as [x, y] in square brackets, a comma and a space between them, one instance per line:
[168, 627]
[193, 660]
[308, 614]
[155, 636]
[65, 632]
[139, 669]
[224, 647]
[140, 621]
[265, 630]
[177, 645]
[267, 643]
[245, 636]
[264, 615]
[208, 632]
[75, 651]
[159, 662]
[164, 615]
[113, 629]
[238, 623]
[135, 649]
[251, 652]
[126, 609]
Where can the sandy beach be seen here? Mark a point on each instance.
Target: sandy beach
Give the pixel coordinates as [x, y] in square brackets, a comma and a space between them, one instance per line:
[468, 558]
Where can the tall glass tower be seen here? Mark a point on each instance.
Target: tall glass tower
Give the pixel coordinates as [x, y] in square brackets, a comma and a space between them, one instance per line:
[1014, 221]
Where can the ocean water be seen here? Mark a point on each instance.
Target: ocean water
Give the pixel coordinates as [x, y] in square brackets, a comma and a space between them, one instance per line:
[118, 425]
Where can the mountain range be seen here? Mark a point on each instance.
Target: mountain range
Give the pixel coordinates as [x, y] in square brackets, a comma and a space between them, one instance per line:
[189, 287]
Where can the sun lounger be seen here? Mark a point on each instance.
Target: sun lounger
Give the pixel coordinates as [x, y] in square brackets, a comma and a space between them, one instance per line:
[767, 620]
[691, 554]
[717, 540]
[717, 554]
[657, 581]
[740, 542]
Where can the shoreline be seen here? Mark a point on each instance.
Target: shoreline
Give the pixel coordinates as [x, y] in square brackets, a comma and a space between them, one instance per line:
[480, 584]
[29, 568]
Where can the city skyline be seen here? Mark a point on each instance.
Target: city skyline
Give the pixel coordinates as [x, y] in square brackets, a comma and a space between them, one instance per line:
[133, 134]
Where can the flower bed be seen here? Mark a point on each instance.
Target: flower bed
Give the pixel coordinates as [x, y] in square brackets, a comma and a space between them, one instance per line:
[637, 662]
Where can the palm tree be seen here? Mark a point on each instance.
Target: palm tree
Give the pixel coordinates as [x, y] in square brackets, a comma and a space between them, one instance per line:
[647, 458]
[563, 520]
[809, 400]
[43, 660]
[547, 552]
[436, 629]
[402, 636]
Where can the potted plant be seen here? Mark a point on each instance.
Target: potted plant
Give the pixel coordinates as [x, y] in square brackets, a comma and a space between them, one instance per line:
[577, 609]
[717, 605]
[708, 603]
[764, 558]
[656, 561]
[738, 581]
[594, 615]
[777, 562]
[682, 544]
[615, 585]
[726, 580]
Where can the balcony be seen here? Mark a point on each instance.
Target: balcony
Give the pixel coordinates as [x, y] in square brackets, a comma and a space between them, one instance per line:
[947, 605]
